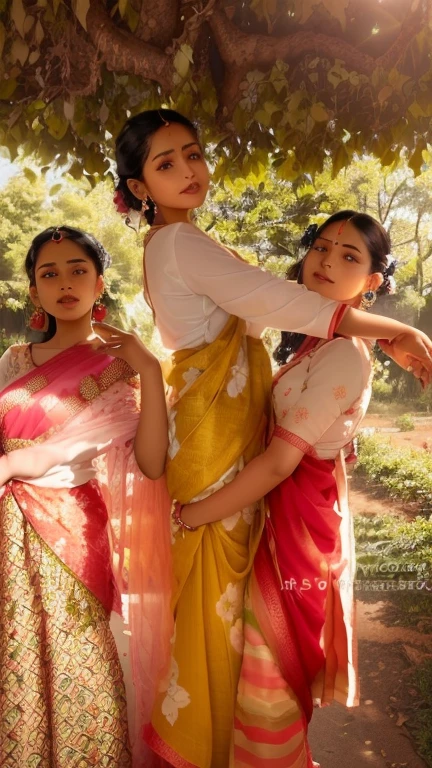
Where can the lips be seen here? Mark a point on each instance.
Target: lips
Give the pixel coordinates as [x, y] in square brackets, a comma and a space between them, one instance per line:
[323, 278]
[192, 189]
[67, 300]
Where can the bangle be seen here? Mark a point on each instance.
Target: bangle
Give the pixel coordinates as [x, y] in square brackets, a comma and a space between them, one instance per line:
[175, 513]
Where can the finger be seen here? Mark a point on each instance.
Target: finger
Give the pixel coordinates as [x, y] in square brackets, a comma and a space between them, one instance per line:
[105, 330]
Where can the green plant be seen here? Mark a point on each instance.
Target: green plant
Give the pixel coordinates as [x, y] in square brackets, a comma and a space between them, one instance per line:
[405, 473]
[405, 422]
[7, 339]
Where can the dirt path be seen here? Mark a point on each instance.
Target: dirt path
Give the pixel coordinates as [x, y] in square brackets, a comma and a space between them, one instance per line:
[375, 734]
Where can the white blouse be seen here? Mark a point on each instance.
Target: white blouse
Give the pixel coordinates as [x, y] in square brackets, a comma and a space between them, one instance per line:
[195, 284]
[319, 403]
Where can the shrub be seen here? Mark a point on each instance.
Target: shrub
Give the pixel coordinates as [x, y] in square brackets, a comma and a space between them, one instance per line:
[405, 422]
[405, 473]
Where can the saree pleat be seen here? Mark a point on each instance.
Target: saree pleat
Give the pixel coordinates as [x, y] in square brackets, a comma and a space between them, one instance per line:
[299, 634]
[62, 699]
[217, 421]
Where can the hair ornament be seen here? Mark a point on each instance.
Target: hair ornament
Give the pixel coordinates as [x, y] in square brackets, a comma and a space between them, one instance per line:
[391, 265]
[120, 202]
[309, 236]
[57, 235]
[391, 285]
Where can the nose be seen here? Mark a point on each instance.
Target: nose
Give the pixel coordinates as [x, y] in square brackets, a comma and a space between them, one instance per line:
[326, 259]
[66, 289]
[188, 170]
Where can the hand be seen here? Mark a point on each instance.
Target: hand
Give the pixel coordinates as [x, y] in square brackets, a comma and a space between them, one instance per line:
[126, 345]
[411, 350]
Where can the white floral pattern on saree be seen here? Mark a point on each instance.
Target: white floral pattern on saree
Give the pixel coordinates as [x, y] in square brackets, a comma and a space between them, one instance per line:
[176, 697]
[229, 606]
[240, 373]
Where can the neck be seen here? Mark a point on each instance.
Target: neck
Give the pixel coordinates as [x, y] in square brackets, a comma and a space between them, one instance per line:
[172, 216]
[73, 332]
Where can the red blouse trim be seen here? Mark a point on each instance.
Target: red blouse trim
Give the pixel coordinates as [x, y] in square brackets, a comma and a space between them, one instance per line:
[294, 440]
[337, 317]
[161, 748]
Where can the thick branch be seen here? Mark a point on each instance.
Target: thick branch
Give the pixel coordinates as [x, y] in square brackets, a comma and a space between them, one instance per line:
[123, 52]
[241, 51]
[158, 21]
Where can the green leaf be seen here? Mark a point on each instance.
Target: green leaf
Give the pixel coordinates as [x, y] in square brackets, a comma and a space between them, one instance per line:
[57, 126]
[55, 189]
[319, 113]
[7, 88]
[122, 7]
[29, 174]
[18, 15]
[80, 8]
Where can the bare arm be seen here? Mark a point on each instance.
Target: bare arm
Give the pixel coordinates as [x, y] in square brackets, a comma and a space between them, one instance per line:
[256, 480]
[151, 438]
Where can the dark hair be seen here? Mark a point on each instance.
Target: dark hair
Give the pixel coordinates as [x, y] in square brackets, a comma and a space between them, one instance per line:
[132, 149]
[92, 248]
[378, 243]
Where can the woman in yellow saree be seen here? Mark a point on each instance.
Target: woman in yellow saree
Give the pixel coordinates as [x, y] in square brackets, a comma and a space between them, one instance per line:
[210, 309]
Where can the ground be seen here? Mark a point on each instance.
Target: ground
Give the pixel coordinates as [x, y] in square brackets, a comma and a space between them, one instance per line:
[378, 733]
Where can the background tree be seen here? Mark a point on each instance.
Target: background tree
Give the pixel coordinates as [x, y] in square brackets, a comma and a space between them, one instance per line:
[296, 79]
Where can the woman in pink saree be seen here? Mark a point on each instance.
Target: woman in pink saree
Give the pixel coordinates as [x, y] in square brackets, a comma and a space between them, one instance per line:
[84, 534]
[298, 639]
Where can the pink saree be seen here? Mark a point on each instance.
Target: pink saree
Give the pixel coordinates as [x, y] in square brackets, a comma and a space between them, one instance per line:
[82, 534]
[300, 644]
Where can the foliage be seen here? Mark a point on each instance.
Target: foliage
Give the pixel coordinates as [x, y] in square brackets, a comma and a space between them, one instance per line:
[392, 548]
[6, 340]
[296, 79]
[405, 422]
[405, 473]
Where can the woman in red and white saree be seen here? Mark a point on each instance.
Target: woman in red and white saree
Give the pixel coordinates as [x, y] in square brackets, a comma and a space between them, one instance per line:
[298, 635]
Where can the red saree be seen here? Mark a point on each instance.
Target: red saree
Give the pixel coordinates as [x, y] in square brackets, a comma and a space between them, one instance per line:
[80, 534]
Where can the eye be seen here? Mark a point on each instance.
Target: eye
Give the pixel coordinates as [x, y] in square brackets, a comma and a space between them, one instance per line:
[165, 166]
[320, 248]
[350, 257]
[195, 156]
[79, 271]
[49, 274]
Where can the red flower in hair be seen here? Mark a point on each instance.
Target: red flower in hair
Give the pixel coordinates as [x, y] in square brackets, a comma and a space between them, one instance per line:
[120, 202]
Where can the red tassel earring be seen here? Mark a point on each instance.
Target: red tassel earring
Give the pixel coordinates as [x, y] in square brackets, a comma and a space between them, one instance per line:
[99, 312]
[38, 320]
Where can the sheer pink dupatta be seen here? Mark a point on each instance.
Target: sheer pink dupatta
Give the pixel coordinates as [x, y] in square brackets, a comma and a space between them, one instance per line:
[97, 443]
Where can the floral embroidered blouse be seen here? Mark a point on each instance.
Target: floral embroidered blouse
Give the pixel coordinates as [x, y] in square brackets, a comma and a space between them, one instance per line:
[320, 402]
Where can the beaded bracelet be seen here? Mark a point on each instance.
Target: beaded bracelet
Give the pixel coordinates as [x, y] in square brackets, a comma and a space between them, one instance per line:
[175, 513]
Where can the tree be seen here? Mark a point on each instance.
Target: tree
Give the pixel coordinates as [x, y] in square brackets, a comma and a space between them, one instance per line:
[296, 79]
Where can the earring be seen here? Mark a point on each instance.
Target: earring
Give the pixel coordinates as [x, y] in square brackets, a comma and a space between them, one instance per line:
[368, 300]
[38, 320]
[144, 207]
[99, 311]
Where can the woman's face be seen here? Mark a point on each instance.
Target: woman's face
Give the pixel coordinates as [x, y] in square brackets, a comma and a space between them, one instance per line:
[338, 266]
[175, 174]
[66, 280]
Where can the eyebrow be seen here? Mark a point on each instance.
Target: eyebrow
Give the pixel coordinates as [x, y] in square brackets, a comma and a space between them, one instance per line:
[344, 245]
[169, 151]
[70, 261]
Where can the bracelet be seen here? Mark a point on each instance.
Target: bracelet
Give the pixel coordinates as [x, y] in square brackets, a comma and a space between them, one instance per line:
[175, 514]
